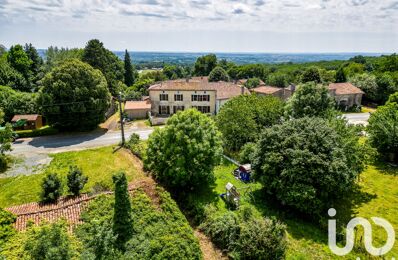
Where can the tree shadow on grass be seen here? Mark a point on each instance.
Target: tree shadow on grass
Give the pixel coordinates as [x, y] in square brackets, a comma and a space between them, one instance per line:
[304, 226]
[386, 168]
[193, 202]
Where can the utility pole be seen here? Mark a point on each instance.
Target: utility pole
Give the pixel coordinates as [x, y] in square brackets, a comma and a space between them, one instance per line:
[121, 118]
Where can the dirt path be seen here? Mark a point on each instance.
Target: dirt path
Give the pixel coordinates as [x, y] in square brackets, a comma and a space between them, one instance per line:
[209, 251]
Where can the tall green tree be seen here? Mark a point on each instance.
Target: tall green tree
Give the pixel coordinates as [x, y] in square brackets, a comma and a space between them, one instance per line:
[368, 84]
[122, 220]
[218, 74]
[340, 75]
[107, 62]
[19, 60]
[311, 100]
[277, 80]
[242, 118]
[15, 102]
[56, 56]
[74, 96]
[385, 87]
[3, 50]
[33, 55]
[308, 163]
[205, 64]
[11, 77]
[183, 154]
[129, 76]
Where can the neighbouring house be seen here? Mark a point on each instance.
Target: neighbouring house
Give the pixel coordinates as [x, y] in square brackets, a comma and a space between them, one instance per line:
[27, 122]
[282, 93]
[137, 109]
[346, 94]
[169, 97]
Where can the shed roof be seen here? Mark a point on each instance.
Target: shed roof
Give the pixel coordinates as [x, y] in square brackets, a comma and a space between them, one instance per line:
[32, 117]
[137, 105]
[345, 88]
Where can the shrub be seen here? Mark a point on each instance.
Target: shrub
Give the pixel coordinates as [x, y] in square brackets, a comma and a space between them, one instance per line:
[184, 153]
[51, 188]
[383, 125]
[261, 239]
[76, 180]
[7, 219]
[136, 146]
[223, 230]
[242, 118]
[308, 163]
[46, 130]
[3, 163]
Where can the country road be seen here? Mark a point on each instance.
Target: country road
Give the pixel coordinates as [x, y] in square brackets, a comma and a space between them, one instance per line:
[72, 142]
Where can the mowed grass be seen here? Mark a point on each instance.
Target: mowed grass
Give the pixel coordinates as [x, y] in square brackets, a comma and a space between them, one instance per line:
[376, 196]
[98, 164]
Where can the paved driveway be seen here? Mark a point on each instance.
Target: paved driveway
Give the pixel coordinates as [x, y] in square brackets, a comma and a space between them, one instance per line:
[72, 142]
[357, 118]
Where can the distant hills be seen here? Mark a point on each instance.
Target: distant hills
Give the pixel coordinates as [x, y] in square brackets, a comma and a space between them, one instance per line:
[186, 58]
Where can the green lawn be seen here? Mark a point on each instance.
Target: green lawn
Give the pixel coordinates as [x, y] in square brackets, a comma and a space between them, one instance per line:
[377, 195]
[98, 164]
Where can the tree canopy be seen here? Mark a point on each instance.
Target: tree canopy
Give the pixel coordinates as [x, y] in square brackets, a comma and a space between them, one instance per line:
[311, 74]
[218, 74]
[107, 62]
[184, 152]
[205, 64]
[242, 118]
[308, 163]
[74, 96]
[129, 75]
[383, 129]
[310, 99]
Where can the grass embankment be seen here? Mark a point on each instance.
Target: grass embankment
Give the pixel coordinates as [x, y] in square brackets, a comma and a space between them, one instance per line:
[376, 196]
[98, 164]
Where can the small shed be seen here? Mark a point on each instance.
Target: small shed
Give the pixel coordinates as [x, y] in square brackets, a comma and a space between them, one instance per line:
[137, 109]
[27, 122]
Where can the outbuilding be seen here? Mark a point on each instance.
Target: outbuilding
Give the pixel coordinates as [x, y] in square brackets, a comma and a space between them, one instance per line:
[27, 122]
[137, 109]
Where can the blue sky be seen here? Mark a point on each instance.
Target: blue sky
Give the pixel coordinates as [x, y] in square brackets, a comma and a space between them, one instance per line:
[204, 25]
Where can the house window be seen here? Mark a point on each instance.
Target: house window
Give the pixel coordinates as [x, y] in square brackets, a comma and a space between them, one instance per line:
[178, 108]
[178, 97]
[164, 110]
[164, 97]
[199, 98]
[203, 109]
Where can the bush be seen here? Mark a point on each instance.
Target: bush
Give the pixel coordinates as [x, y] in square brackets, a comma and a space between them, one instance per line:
[137, 147]
[76, 180]
[7, 219]
[261, 239]
[51, 188]
[184, 153]
[223, 230]
[242, 118]
[383, 132]
[308, 163]
[3, 163]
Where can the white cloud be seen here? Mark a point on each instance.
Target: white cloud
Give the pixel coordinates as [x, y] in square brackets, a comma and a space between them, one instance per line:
[55, 18]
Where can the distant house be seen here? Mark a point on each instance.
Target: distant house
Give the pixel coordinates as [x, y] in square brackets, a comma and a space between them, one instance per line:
[169, 97]
[282, 93]
[346, 94]
[27, 122]
[137, 109]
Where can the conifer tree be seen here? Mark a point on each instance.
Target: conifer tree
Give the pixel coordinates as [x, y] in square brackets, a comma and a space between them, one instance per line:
[128, 70]
[122, 220]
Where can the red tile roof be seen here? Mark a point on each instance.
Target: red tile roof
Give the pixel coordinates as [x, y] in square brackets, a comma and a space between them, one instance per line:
[345, 88]
[137, 105]
[32, 117]
[267, 90]
[67, 208]
[223, 89]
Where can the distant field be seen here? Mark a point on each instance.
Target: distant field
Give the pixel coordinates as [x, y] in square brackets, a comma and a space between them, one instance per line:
[98, 164]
